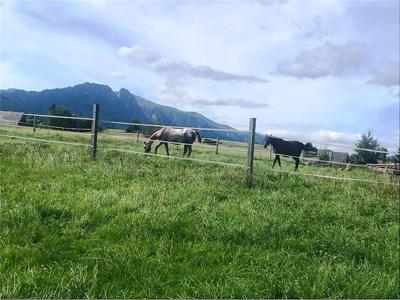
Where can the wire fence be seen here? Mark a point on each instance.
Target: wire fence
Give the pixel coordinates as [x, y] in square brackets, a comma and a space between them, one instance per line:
[59, 117]
[44, 140]
[326, 144]
[176, 126]
[176, 157]
[325, 162]
[11, 123]
[334, 177]
[225, 151]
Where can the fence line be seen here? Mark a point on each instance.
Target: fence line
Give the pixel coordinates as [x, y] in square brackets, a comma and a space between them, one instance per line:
[201, 145]
[201, 161]
[320, 160]
[175, 157]
[49, 128]
[181, 127]
[59, 117]
[11, 125]
[13, 121]
[77, 129]
[44, 140]
[204, 129]
[250, 144]
[322, 144]
[333, 177]
[161, 141]
[68, 129]
[257, 150]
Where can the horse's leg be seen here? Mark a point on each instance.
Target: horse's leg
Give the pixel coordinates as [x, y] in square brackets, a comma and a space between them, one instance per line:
[189, 150]
[279, 161]
[275, 160]
[155, 150]
[297, 160]
[184, 149]
[166, 148]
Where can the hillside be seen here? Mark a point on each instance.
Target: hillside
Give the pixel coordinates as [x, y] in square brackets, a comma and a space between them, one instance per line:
[129, 226]
[119, 105]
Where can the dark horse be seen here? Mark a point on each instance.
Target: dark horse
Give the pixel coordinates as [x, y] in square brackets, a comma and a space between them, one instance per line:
[290, 148]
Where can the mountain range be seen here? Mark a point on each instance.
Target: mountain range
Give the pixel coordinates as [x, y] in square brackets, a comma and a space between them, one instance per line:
[121, 106]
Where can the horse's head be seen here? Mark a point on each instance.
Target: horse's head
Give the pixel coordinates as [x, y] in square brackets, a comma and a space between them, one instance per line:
[147, 147]
[267, 141]
[308, 147]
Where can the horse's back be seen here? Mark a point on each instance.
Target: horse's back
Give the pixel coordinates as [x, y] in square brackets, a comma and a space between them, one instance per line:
[179, 135]
[288, 147]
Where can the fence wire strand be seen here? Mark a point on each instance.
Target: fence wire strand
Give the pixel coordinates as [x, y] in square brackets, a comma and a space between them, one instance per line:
[175, 157]
[208, 147]
[323, 144]
[173, 126]
[327, 162]
[333, 177]
[59, 117]
[44, 140]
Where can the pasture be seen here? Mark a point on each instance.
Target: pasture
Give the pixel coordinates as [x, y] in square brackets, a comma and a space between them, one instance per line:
[134, 226]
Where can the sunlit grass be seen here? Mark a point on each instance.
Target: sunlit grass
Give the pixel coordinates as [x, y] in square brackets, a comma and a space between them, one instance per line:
[133, 226]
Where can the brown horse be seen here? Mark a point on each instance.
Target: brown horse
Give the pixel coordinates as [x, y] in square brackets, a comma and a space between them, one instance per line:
[185, 136]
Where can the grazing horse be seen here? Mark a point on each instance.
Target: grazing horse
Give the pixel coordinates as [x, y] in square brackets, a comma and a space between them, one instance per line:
[290, 148]
[173, 135]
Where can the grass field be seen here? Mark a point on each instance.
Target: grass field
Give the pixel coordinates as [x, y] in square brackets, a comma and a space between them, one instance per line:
[134, 226]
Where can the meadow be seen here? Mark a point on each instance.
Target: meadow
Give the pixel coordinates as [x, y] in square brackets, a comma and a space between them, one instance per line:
[134, 226]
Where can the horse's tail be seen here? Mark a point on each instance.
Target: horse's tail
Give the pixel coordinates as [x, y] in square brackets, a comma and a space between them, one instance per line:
[198, 136]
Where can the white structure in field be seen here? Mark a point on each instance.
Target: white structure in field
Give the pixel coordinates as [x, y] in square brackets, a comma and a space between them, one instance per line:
[10, 117]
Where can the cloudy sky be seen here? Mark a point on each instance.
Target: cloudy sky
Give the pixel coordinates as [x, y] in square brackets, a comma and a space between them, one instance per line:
[317, 70]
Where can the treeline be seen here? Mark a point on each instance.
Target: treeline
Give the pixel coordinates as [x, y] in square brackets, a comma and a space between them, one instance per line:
[377, 154]
[58, 123]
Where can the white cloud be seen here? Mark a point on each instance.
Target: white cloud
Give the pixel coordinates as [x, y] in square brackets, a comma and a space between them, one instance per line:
[177, 94]
[388, 74]
[334, 140]
[326, 60]
[211, 51]
[176, 69]
[139, 53]
[322, 137]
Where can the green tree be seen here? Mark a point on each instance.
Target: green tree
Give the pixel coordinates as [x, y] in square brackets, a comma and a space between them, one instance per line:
[382, 156]
[354, 159]
[323, 154]
[367, 141]
[55, 110]
[65, 123]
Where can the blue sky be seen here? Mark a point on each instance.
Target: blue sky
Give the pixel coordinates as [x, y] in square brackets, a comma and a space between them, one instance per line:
[322, 71]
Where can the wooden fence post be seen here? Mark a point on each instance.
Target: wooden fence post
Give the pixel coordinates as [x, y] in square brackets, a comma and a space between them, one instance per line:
[137, 137]
[34, 123]
[250, 149]
[217, 144]
[270, 152]
[95, 128]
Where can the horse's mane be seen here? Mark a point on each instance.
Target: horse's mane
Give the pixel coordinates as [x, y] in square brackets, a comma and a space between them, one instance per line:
[155, 130]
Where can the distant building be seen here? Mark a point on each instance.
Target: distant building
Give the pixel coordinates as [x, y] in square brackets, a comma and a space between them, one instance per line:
[342, 157]
[11, 118]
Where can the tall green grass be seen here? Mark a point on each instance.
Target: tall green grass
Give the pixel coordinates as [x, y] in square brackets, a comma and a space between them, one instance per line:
[129, 226]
